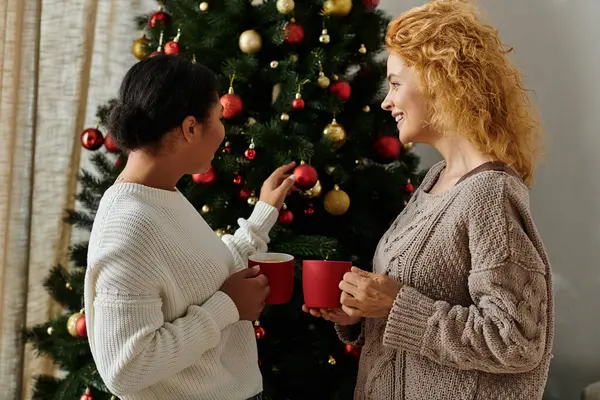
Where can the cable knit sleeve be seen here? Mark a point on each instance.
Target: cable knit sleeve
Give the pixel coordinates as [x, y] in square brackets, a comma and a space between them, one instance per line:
[133, 345]
[354, 335]
[504, 329]
[252, 235]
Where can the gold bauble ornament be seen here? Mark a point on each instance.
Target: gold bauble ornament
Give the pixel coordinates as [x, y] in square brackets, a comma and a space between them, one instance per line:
[252, 200]
[336, 202]
[313, 192]
[408, 146]
[72, 324]
[138, 48]
[366, 109]
[285, 6]
[332, 360]
[204, 6]
[274, 64]
[220, 232]
[294, 57]
[250, 42]
[68, 286]
[285, 116]
[362, 49]
[323, 81]
[337, 8]
[206, 209]
[50, 330]
[336, 133]
[324, 38]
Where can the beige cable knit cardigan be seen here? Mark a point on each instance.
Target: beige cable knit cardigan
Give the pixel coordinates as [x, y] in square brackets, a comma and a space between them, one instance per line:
[474, 320]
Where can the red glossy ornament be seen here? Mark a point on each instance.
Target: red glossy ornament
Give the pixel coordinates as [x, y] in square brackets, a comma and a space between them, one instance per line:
[237, 180]
[87, 395]
[232, 105]
[245, 193]
[293, 33]
[309, 211]
[155, 53]
[341, 89]
[110, 144]
[119, 162]
[250, 154]
[353, 351]
[370, 5]
[387, 149]
[298, 104]
[92, 139]
[158, 18]
[205, 177]
[409, 188]
[286, 217]
[260, 332]
[306, 176]
[81, 328]
[172, 47]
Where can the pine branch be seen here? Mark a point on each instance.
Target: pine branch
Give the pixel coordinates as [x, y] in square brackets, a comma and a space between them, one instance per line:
[304, 246]
[78, 254]
[55, 284]
[79, 219]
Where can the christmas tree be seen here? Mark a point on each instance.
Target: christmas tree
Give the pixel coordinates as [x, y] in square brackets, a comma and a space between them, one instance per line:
[301, 80]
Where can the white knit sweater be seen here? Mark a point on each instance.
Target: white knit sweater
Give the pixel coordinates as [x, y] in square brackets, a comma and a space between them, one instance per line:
[158, 326]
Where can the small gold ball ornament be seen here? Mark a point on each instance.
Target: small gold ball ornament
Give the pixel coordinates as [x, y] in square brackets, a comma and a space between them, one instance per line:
[274, 64]
[285, 6]
[206, 209]
[323, 81]
[332, 360]
[203, 6]
[252, 200]
[250, 42]
[68, 286]
[336, 202]
[138, 48]
[366, 109]
[362, 49]
[324, 38]
[50, 330]
[294, 57]
[336, 133]
[220, 232]
[285, 117]
[313, 192]
[408, 146]
[337, 8]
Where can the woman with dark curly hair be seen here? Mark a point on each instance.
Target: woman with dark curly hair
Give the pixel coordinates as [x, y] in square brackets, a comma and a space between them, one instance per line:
[459, 305]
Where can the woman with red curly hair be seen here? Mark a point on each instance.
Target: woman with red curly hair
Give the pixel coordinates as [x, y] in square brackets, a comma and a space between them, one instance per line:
[459, 305]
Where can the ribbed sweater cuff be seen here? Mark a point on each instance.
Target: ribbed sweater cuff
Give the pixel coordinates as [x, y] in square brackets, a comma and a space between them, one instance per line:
[222, 310]
[407, 321]
[263, 218]
[354, 335]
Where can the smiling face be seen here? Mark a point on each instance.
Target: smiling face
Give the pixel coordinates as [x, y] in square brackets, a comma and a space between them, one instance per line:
[406, 103]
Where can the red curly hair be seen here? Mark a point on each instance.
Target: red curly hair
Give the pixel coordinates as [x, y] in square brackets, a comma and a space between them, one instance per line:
[468, 80]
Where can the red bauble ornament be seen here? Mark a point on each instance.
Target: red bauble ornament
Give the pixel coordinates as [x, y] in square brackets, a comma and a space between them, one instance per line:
[341, 89]
[387, 149]
[306, 176]
[232, 105]
[81, 328]
[286, 217]
[371, 4]
[294, 33]
[172, 47]
[250, 153]
[354, 351]
[205, 177]
[110, 144]
[298, 104]
[260, 332]
[87, 395]
[155, 53]
[409, 188]
[158, 18]
[92, 139]
[309, 211]
[245, 193]
[119, 162]
[238, 179]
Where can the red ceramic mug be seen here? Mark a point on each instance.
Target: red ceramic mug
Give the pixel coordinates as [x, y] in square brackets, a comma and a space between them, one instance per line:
[321, 282]
[279, 270]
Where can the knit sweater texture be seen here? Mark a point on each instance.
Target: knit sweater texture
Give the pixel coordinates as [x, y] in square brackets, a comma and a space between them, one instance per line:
[158, 325]
[474, 319]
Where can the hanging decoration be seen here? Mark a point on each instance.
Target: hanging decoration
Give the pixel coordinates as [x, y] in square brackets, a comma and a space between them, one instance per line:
[250, 152]
[250, 41]
[203, 6]
[323, 80]
[324, 38]
[172, 47]
[286, 217]
[204, 178]
[285, 6]
[306, 176]
[76, 325]
[92, 139]
[231, 102]
[110, 144]
[387, 149]
[298, 103]
[341, 89]
[336, 202]
[139, 47]
[159, 18]
[159, 49]
[337, 8]
[336, 133]
[314, 191]
[293, 32]
[87, 395]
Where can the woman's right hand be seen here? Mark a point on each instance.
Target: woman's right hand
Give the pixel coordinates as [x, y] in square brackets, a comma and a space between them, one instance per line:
[248, 289]
[335, 315]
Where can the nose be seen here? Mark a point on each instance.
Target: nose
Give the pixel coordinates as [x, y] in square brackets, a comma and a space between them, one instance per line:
[386, 104]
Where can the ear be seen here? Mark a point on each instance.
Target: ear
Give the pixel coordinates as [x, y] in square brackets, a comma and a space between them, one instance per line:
[190, 128]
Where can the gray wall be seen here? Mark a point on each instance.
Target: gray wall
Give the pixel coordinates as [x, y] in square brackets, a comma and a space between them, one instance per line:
[557, 46]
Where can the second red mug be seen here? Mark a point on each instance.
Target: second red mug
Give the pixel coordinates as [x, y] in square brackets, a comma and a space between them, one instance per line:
[321, 280]
[279, 270]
